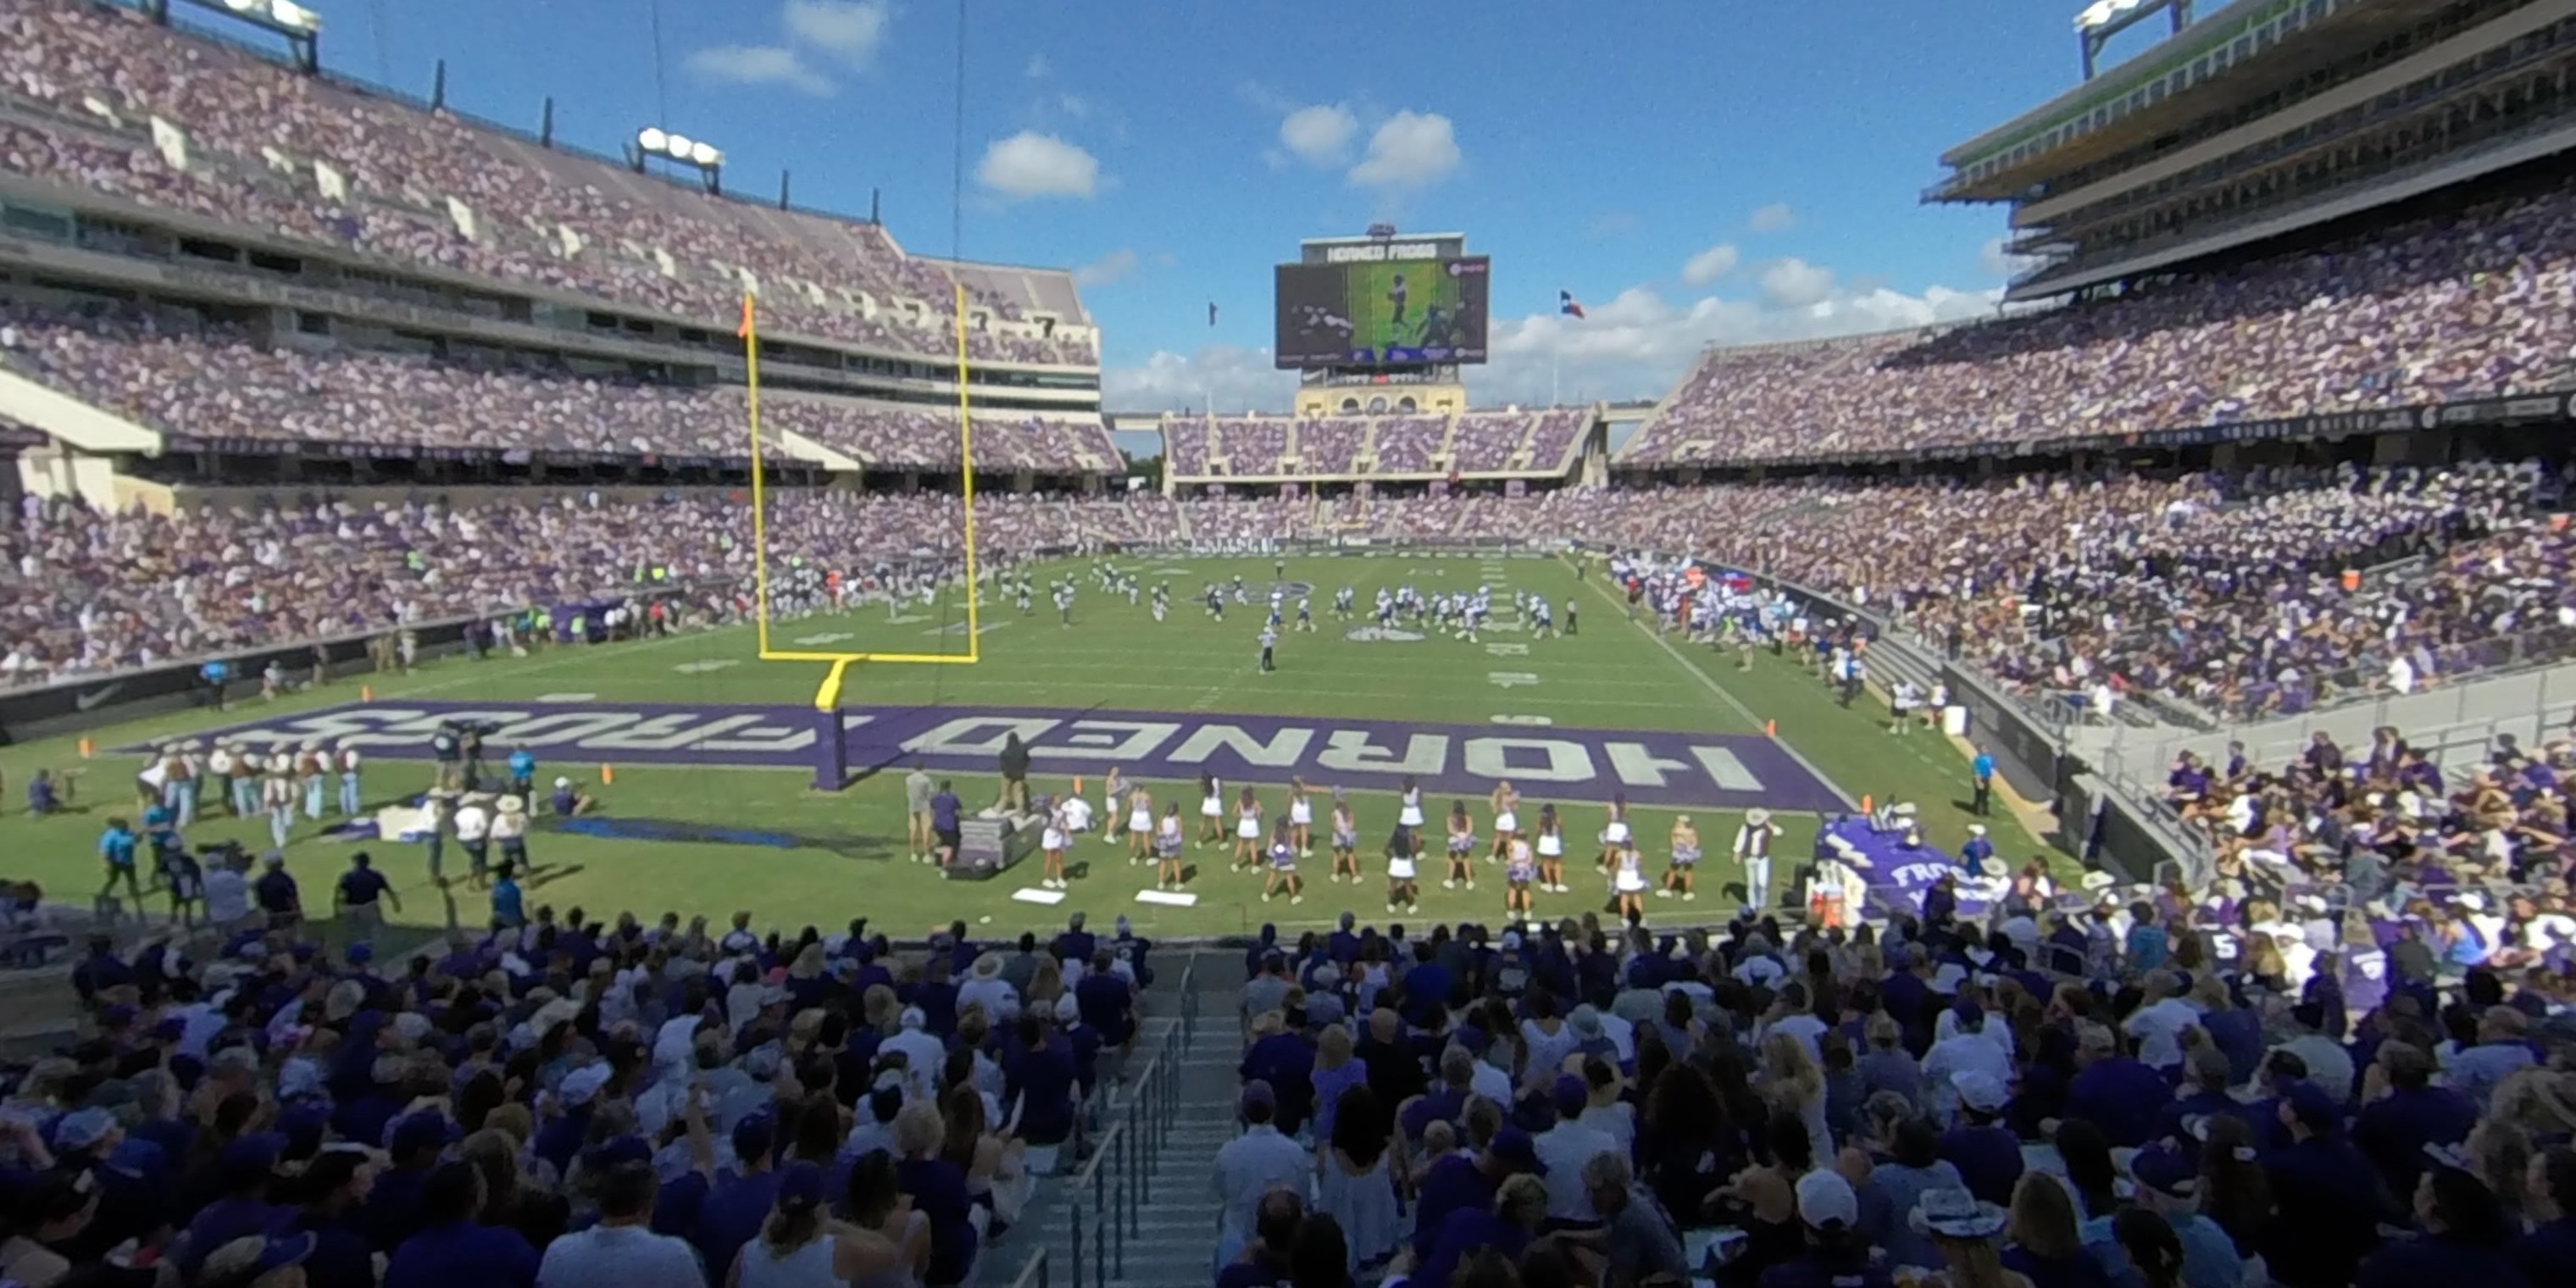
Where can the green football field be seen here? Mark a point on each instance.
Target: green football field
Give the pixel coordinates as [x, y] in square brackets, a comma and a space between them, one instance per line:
[823, 857]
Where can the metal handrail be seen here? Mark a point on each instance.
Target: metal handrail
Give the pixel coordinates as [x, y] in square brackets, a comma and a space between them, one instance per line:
[1034, 1273]
[1108, 1195]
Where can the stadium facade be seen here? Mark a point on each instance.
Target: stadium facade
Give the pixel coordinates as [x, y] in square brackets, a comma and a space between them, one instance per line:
[264, 230]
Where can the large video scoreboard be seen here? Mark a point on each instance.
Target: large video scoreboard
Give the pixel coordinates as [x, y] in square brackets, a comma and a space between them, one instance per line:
[1382, 301]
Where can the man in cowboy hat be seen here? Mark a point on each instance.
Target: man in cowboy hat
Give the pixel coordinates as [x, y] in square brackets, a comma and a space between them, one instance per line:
[1753, 844]
[985, 987]
[510, 828]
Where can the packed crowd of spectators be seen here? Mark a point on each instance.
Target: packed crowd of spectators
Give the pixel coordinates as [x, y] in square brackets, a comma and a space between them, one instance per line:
[1480, 442]
[2332, 816]
[84, 593]
[209, 381]
[2140, 1088]
[2467, 304]
[103, 100]
[557, 1100]
[2261, 593]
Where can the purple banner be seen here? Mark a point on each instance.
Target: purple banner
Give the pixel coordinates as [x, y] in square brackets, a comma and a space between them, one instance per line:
[1727, 771]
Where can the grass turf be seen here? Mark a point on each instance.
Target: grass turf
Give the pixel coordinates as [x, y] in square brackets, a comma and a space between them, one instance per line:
[1614, 674]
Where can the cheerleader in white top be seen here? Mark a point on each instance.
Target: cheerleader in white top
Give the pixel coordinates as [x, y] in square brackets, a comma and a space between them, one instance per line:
[1551, 850]
[1520, 868]
[1462, 848]
[1247, 830]
[1678, 877]
[1058, 834]
[1142, 844]
[1301, 818]
[1346, 840]
[1402, 885]
[1167, 847]
[1211, 811]
[1283, 865]
[1113, 795]
[1615, 837]
[1410, 815]
[1629, 884]
[1507, 819]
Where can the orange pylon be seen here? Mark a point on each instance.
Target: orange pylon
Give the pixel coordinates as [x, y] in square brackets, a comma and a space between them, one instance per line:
[607, 774]
[1864, 805]
[366, 693]
[1771, 728]
[87, 749]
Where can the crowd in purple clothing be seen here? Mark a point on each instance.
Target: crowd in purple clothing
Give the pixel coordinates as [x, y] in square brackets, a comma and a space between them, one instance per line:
[85, 594]
[102, 100]
[210, 382]
[2105, 1088]
[2471, 304]
[2248, 595]
[555, 1099]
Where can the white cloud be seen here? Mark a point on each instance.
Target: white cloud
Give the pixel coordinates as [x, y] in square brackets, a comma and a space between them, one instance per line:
[1709, 265]
[1037, 68]
[847, 31]
[1030, 164]
[1319, 135]
[1106, 269]
[1794, 283]
[1773, 218]
[819, 35]
[1228, 378]
[1410, 150]
[1636, 344]
[1999, 262]
[759, 65]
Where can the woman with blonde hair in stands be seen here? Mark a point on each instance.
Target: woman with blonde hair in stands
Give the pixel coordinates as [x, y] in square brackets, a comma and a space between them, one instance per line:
[991, 1162]
[2047, 1240]
[1794, 1085]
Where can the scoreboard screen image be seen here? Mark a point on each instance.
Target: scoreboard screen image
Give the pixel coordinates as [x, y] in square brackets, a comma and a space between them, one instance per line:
[1393, 313]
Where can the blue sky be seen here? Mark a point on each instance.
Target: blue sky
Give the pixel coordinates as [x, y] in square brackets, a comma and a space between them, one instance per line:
[1728, 170]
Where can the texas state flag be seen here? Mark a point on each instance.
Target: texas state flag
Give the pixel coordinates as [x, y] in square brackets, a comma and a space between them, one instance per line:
[1568, 305]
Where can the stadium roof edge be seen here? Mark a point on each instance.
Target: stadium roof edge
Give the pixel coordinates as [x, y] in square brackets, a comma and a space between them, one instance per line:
[357, 85]
[1366, 240]
[2116, 80]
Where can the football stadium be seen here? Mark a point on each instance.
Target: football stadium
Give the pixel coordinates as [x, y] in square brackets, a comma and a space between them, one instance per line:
[562, 719]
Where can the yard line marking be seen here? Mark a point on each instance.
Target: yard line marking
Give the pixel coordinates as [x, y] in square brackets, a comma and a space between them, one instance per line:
[1752, 721]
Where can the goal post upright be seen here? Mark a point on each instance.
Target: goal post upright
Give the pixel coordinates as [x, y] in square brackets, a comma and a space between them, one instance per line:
[827, 694]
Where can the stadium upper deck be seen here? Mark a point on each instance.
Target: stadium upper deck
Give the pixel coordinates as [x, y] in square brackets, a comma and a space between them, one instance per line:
[1514, 443]
[122, 138]
[2238, 184]
[2267, 117]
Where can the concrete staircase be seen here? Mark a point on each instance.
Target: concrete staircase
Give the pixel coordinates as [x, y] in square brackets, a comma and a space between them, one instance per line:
[1136, 1209]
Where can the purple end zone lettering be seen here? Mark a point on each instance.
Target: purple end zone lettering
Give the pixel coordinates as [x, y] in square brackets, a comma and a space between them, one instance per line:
[1724, 771]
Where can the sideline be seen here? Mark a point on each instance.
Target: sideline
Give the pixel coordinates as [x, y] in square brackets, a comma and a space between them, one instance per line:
[1753, 723]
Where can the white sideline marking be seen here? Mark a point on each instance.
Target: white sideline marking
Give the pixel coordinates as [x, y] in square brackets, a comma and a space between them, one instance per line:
[1539, 722]
[706, 665]
[567, 697]
[1039, 896]
[1510, 679]
[1167, 898]
[827, 637]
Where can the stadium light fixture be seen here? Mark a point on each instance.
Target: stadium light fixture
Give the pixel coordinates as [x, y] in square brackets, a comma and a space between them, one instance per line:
[289, 16]
[653, 141]
[2102, 13]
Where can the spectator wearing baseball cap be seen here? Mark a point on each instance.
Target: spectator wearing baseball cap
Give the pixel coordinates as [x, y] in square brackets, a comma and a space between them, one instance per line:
[1835, 1254]
[1987, 1155]
[2166, 1186]
[1254, 1163]
[1563, 1150]
[1507, 1227]
[2329, 1198]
